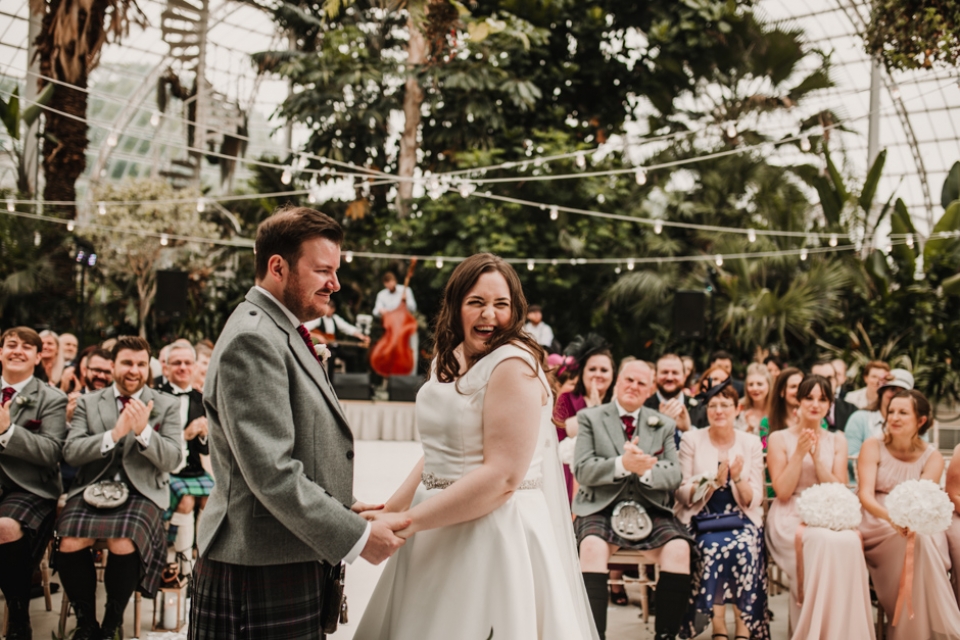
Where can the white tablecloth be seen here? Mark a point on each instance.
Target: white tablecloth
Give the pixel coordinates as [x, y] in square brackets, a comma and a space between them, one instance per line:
[372, 420]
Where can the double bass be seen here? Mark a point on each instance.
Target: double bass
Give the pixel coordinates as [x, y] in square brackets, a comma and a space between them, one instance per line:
[393, 355]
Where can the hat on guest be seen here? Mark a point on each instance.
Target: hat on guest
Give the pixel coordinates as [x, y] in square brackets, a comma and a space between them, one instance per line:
[899, 378]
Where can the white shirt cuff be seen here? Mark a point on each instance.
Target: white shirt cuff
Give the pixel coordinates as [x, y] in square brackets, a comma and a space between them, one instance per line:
[5, 438]
[354, 553]
[618, 471]
[144, 437]
[107, 444]
[647, 477]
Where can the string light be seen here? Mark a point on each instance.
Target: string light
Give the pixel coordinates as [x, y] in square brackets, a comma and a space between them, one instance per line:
[348, 257]
[164, 240]
[554, 213]
[37, 239]
[439, 263]
[805, 145]
[10, 206]
[630, 264]
[466, 188]
[909, 240]
[751, 235]
[70, 226]
[581, 161]
[641, 177]
[833, 240]
[617, 270]
[112, 139]
[201, 205]
[732, 130]
[719, 260]
[803, 253]
[658, 227]
[155, 119]
[530, 265]
[102, 208]
[888, 248]
[895, 92]
[287, 176]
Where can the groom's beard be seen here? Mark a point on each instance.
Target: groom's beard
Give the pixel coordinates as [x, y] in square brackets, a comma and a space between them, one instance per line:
[303, 304]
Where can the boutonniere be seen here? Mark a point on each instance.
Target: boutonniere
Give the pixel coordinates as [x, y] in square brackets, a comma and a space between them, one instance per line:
[32, 425]
[693, 402]
[24, 401]
[321, 350]
[156, 427]
[654, 421]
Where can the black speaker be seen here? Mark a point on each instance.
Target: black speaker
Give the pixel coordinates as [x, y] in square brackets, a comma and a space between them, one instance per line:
[688, 314]
[171, 299]
[404, 388]
[352, 386]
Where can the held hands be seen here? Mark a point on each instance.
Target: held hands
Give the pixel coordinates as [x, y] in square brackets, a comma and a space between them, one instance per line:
[384, 541]
[134, 417]
[635, 460]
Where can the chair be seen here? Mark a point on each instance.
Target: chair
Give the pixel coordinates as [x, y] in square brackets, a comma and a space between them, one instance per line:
[100, 546]
[627, 556]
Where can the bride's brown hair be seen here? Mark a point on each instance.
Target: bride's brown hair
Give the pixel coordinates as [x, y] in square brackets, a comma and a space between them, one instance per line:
[448, 330]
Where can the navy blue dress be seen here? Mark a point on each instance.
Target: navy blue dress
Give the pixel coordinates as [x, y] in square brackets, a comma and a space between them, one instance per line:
[731, 569]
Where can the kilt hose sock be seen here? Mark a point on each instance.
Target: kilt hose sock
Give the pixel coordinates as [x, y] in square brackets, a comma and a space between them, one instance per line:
[15, 579]
[79, 578]
[596, 584]
[673, 599]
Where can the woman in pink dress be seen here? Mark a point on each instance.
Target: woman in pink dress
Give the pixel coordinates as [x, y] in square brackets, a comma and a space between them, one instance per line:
[883, 464]
[836, 594]
[953, 533]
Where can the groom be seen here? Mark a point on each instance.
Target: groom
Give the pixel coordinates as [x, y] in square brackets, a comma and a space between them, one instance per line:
[282, 514]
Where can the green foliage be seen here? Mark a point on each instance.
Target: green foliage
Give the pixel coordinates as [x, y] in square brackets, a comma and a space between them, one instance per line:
[915, 34]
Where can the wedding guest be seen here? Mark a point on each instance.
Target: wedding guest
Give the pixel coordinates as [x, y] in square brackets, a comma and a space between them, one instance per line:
[536, 327]
[130, 433]
[953, 533]
[160, 380]
[782, 413]
[774, 365]
[50, 358]
[689, 373]
[868, 423]
[711, 378]
[98, 374]
[190, 485]
[32, 428]
[883, 464]
[730, 567]
[840, 368]
[669, 399]
[69, 345]
[204, 351]
[798, 457]
[755, 403]
[724, 360]
[875, 373]
[612, 465]
[840, 409]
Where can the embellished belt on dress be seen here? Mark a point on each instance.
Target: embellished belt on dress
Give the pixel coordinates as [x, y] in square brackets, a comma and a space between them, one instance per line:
[432, 481]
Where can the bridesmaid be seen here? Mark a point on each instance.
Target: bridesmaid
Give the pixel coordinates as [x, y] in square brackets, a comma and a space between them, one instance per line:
[953, 533]
[836, 594]
[756, 400]
[883, 464]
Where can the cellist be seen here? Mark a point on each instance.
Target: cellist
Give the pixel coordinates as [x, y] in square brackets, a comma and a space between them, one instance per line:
[389, 299]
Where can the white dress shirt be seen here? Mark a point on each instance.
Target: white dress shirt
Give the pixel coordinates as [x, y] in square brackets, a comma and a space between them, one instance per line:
[620, 471]
[8, 434]
[332, 325]
[542, 333]
[354, 553]
[107, 444]
[389, 300]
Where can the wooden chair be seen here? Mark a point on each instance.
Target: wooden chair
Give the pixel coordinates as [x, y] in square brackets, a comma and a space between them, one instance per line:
[100, 546]
[627, 556]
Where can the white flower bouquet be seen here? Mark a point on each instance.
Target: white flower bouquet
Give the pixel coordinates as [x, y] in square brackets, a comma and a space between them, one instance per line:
[920, 506]
[830, 505]
[565, 450]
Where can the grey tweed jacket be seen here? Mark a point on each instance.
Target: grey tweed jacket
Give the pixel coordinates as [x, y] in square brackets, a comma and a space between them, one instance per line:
[281, 449]
[30, 460]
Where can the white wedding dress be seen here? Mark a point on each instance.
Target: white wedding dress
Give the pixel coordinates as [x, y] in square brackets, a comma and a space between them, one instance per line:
[514, 571]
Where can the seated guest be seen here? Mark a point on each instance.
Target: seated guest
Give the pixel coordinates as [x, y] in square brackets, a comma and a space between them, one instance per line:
[755, 403]
[131, 434]
[540, 330]
[204, 351]
[730, 566]
[614, 468]
[953, 534]
[784, 405]
[883, 464]
[670, 400]
[774, 366]
[190, 485]
[724, 360]
[712, 377]
[97, 374]
[32, 428]
[840, 410]
[840, 368]
[875, 373]
[868, 423]
[798, 457]
[69, 345]
[51, 359]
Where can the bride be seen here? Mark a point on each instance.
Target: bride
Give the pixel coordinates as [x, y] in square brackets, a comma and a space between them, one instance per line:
[490, 546]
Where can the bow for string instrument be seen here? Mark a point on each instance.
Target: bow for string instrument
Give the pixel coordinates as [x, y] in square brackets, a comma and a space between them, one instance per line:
[392, 355]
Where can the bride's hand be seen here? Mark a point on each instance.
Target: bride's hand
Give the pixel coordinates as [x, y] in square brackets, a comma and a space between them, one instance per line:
[361, 507]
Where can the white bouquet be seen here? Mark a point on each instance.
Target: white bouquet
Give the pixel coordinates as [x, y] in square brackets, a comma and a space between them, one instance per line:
[830, 505]
[920, 506]
[565, 450]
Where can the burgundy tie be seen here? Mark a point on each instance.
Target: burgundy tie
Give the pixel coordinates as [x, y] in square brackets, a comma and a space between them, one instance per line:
[628, 426]
[302, 330]
[124, 401]
[8, 393]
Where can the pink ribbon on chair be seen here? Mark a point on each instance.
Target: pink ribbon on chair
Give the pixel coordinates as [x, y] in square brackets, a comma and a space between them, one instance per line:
[905, 594]
[798, 543]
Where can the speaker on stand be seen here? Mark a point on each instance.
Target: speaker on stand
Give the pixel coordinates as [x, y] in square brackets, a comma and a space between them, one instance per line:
[171, 298]
[688, 314]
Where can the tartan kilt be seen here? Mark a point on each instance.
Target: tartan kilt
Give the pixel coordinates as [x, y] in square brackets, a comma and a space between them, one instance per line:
[240, 602]
[139, 519]
[665, 529]
[199, 487]
[35, 514]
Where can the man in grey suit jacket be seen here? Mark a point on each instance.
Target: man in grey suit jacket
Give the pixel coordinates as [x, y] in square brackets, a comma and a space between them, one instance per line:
[282, 515]
[32, 427]
[626, 452]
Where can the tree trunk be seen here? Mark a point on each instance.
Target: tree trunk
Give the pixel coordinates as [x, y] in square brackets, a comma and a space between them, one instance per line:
[412, 99]
[147, 290]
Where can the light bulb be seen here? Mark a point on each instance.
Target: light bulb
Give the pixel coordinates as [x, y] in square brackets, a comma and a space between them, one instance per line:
[719, 260]
[530, 265]
[465, 189]
[732, 130]
[617, 270]
[112, 140]
[805, 145]
[657, 227]
[70, 226]
[349, 256]
[439, 263]
[630, 264]
[155, 119]
[909, 240]
[751, 235]
[554, 262]
[201, 205]
[803, 253]
[286, 177]
[554, 213]
[102, 208]
[37, 239]
[10, 206]
[641, 177]
[895, 93]
[581, 161]
[164, 240]
[833, 240]
[888, 248]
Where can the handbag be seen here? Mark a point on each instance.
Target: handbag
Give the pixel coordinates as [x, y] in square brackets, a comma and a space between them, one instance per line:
[710, 522]
[333, 610]
[106, 494]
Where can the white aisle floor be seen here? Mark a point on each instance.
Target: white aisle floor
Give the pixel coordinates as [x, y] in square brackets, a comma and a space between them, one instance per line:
[380, 468]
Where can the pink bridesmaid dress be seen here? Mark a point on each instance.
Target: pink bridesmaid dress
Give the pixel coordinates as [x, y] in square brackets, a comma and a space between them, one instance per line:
[953, 541]
[836, 591]
[936, 613]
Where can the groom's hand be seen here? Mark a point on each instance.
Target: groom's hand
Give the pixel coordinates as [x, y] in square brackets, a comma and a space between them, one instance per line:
[383, 541]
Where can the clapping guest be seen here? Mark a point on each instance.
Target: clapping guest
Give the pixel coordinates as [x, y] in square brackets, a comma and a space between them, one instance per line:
[69, 346]
[130, 434]
[50, 357]
[32, 428]
[670, 400]
[204, 351]
[953, 534]
[899, 456]
[840, 410]
[712, 377]
[755, 403]
[834, 570]
[868, 423]
[722, 495]
[782, 413]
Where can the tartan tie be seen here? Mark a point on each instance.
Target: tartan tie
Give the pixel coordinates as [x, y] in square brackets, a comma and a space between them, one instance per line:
[628, 426]
[8, 393]
[302, 330]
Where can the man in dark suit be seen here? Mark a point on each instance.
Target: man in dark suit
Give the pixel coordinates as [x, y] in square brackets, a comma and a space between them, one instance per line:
[613, 467]
[724, 360]
[669, 398]
[32, 428]
[190, 485]
[840, 410]
[282, 516]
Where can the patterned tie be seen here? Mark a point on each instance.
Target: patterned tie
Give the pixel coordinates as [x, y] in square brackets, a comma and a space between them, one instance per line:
[628, 426]
[8, 393]
[302, 330]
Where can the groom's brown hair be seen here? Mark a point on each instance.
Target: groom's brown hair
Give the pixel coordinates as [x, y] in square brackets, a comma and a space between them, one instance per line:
[283, 234]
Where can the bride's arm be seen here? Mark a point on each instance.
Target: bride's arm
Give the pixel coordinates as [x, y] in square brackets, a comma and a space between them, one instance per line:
[511, 427]
[403, 496]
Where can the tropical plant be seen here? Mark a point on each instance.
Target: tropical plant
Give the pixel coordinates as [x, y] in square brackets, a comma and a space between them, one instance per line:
[15, 118]
[914, 34]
